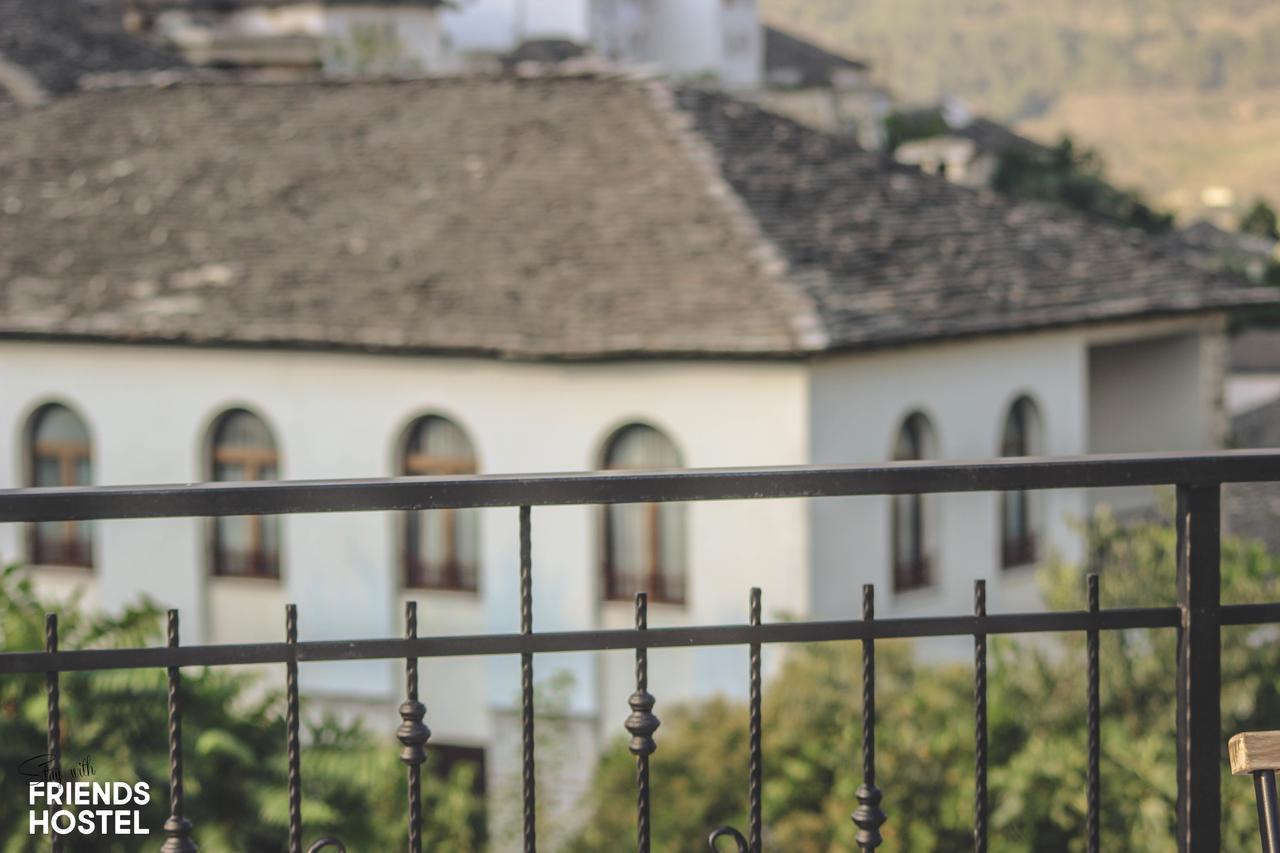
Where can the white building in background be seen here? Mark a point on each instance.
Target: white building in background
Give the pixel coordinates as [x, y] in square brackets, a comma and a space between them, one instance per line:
[713, 40]
[345, 37]
[718, 41]
[548, 274]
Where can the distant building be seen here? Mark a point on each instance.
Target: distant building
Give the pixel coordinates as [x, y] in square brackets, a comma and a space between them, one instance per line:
[968, 152]
[823, 89]
[716, 41]
[547, 273]
[343, 36]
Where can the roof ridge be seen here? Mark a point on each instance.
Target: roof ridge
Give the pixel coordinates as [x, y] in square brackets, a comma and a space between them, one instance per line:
[197, 76]
[807, 327]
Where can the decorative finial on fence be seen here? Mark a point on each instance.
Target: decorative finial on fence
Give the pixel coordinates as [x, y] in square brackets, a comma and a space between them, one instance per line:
[641, 724]
[413, 733]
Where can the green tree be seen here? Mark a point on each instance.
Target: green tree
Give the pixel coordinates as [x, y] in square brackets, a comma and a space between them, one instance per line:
[1260, 220]
[906, 125]
[234, 748]
[1076, 177]
[925, 735]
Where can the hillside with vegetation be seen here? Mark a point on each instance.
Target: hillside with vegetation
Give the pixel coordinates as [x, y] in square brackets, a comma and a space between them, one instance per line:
[1177, 95]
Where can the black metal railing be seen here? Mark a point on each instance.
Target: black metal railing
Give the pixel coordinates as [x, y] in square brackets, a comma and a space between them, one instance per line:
[1197, 617]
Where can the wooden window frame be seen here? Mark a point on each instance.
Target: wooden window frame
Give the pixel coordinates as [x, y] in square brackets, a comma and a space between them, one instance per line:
[413, 571]
[914, 570]
[1018, 550]
[654, 584]
[69, 551]
[261, 565]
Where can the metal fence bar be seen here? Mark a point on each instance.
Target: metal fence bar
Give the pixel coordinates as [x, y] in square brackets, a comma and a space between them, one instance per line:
[1198, 616]
[528, 776]
[755, 764]
[641, 724]
[1199, 669]
[867, 816]
[81, 503]
[177, 829]
[413, 733]
[1264, 794]
[54, 713]
[293, 749]
[980, 723]
[1093, 782]
[12, 663]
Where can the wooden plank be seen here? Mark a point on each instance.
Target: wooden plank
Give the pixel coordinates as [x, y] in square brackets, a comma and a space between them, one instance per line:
[1252, 751]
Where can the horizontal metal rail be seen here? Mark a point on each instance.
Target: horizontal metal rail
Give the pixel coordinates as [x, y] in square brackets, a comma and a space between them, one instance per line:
[587, 641]
[695, 484]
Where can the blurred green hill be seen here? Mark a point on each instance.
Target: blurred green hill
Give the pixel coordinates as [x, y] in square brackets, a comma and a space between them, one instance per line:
[1178, 95]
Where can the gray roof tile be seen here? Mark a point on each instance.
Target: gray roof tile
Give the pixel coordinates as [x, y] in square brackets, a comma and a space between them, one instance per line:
[545, 217]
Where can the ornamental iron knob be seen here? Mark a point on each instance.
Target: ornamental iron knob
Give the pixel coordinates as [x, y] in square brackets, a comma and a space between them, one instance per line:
[642, 723]
[413, 733]
[868, 817]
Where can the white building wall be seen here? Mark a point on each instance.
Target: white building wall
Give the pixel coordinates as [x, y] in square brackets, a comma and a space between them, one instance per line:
[1162, 391]
[292, 19]
[149, 410]
[499, 25]
[682, 38]
[719, 38]
[859, 402]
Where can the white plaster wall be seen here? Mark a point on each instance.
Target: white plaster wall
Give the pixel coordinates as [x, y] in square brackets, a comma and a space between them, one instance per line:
[858, 404]
[688, 37]
[1161, 393]
[742, 44]
[499, 25]
[681, 37]
[340, 415]
[293, 19]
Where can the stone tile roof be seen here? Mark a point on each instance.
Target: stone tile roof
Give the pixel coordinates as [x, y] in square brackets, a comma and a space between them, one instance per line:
[589, 216]
[58, 41]
[890, 255]
[805, 63]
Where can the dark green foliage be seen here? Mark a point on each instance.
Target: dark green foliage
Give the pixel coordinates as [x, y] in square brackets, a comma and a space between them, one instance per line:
[1076, 177]
[925, 735]
[904, 126]
[1260, 220]
[233, 733]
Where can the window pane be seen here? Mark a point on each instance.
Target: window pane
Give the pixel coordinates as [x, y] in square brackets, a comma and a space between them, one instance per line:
[628, 553]
[60, 455]
[59, 424]
[48, 471]
[672, 565]
[438, 446]
[441, 546]
[646, 542]
[242, 429]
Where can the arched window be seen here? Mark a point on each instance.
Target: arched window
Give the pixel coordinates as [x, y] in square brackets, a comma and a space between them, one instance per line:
[60, 454]
[241, 448]
[644, 544]
[912, 549]
[441, 546]
[1021, 437]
